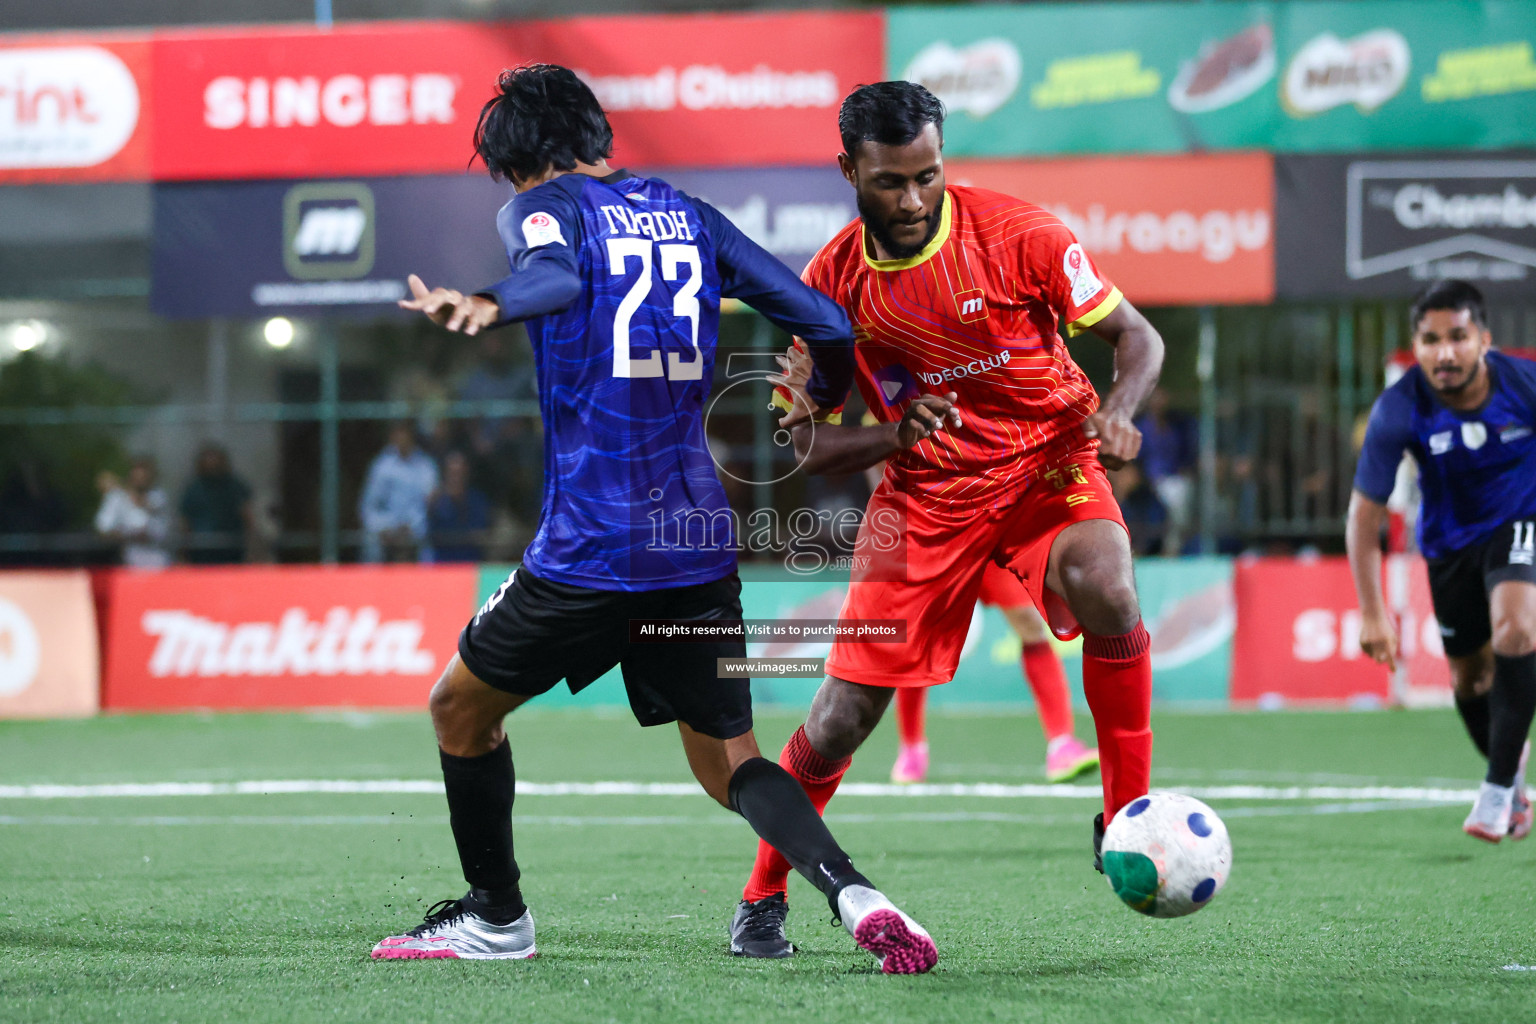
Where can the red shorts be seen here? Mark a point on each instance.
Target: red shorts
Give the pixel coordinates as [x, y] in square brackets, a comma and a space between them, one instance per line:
[927, 568]
[1002, 589]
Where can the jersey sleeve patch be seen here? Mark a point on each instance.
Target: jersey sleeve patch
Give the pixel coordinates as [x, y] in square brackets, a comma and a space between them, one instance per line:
[1097, 313]
[1079, 271]
[541, 228]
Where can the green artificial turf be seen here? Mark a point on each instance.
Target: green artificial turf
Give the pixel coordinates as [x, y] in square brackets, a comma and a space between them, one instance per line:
[264, 907]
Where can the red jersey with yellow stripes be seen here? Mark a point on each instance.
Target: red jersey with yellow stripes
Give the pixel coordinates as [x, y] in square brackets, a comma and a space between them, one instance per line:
[980, 312]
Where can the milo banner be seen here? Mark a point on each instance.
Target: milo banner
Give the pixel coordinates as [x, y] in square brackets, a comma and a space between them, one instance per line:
[1187, 604]
[1165, 77]
[1364, 227]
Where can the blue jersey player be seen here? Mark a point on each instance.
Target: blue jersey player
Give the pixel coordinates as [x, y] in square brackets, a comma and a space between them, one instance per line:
[1467, 415]
[619, 280]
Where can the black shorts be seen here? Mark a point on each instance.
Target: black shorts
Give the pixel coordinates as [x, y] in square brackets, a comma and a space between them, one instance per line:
[1461, 582]
[532, 633]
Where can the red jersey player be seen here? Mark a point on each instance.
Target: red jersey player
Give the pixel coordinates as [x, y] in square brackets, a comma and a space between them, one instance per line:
[995, 441]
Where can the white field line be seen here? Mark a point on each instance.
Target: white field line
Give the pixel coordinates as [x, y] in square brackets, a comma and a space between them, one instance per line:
[982, 790]
[629, 821]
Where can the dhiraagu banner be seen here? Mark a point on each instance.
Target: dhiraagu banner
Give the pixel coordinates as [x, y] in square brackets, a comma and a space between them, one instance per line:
[1041, 79]
[1187, 604]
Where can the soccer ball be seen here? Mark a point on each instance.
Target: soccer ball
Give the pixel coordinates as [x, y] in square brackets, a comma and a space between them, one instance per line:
[1166, 855]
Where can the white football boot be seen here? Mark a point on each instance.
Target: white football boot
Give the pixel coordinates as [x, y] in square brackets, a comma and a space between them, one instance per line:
[454, 932]
[900, 944]
[1489, 820]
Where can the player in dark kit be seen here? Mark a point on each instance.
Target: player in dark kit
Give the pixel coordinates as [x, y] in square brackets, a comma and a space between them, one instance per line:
[1467, 415]
[619, 279]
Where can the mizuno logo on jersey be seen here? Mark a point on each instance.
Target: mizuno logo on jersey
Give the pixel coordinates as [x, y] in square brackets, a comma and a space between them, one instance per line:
[1440, 443]
[657, 225]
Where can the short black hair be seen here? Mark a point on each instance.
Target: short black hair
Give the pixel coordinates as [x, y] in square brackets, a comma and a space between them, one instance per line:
[888, 113]
[542, 116]
[1449, 294]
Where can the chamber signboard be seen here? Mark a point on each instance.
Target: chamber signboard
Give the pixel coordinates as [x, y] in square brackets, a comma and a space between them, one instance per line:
[1362, 226]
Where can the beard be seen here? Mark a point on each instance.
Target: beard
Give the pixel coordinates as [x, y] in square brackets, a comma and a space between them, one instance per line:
[881, 229]
[1456, 386]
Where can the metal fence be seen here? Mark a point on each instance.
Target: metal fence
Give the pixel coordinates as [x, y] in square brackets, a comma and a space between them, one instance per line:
[1277, 396]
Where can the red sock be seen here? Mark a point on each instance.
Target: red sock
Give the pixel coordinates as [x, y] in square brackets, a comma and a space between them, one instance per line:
[1117, 678]
[819, 777]
[910, 704]
[1048, 681]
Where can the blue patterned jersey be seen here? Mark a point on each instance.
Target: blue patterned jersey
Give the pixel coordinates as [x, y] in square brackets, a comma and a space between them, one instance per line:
[1477, 469]
[619, 280]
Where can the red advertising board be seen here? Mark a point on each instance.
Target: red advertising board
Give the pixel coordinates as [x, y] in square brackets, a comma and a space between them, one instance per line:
[282, 637]
[1168, 230]
[48, 655]
[403, 98]
[1298, 633]
[74, 108]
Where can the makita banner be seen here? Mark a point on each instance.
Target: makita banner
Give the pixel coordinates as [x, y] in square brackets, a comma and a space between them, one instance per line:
[282, 637]
[1173, 230]
[74, 108]
[403, 98]
[344, 247]
[1362, 226]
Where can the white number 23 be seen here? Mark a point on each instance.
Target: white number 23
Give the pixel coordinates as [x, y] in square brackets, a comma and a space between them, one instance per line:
[685, 303]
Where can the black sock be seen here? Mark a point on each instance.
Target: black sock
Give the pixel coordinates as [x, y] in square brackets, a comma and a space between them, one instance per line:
[480, 792]
[1511, 705]
[1474, 714]
[777, 808]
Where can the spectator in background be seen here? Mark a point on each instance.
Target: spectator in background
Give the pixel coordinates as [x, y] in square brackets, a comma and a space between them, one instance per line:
[137, 515]
[498, 377]
[1170, 443]
[459, 515]
[215, 511]
[393, 506]
[1145, 516]
[507, 452]
[32, 508]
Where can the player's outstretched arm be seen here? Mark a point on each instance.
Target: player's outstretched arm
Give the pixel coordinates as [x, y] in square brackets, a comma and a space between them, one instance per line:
[1362, 538]
[1138, 364]
[755, 276]
[450, 308]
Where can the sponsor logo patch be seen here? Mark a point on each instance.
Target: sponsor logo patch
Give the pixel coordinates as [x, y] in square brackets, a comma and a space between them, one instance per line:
[895, 383]
[1085, 285]
[542, 229]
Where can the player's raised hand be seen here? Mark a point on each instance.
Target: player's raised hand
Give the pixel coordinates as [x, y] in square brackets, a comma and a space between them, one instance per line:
[1119, 440]
[449, 308]
[797, 364]
[926, 416]
[1379, 640]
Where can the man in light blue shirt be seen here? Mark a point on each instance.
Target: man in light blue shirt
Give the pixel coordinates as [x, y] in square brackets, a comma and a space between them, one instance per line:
[393, 506]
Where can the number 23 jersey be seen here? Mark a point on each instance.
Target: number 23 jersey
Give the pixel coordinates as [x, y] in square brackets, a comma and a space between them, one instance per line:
[634, 271]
